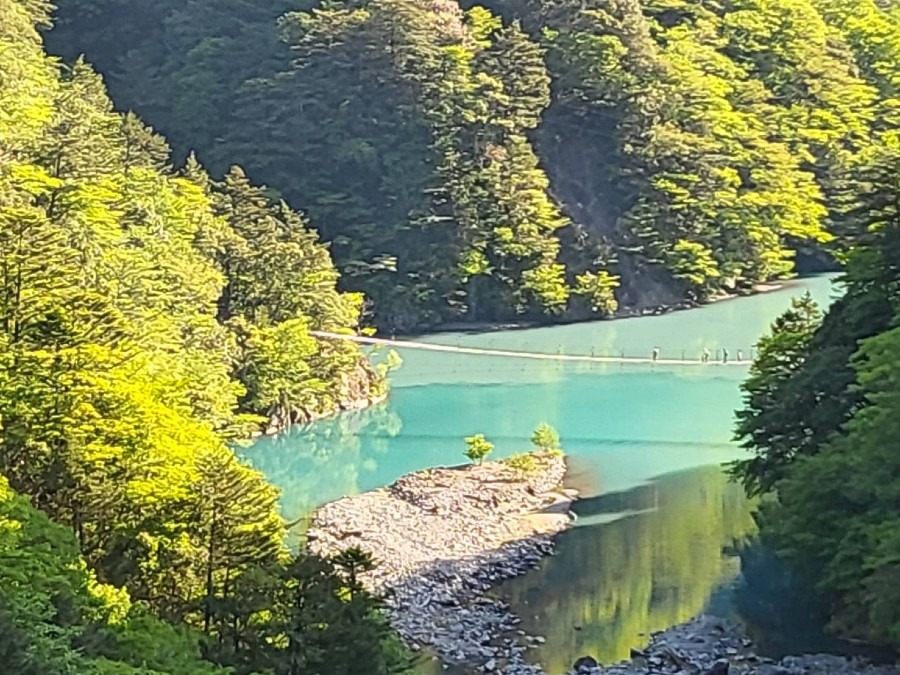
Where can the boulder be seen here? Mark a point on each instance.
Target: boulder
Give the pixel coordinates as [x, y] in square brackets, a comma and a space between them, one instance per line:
[586, 664]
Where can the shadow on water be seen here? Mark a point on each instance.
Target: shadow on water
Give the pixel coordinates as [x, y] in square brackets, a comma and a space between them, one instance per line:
[648, 558]
[783, 611]
[636, 562]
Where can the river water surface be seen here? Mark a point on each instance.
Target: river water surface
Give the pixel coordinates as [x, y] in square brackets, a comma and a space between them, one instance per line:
[658, 520]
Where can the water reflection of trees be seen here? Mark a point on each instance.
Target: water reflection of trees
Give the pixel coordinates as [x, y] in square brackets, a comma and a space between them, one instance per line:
[323, 461]
[609, 583]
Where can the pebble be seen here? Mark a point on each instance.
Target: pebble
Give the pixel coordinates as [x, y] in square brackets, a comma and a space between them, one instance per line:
[691, 649]
[443, 537]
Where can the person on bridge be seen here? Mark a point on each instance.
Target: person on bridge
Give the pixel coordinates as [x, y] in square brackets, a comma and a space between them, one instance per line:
[740, 355]
[655, 354]
[724, 355]
[704, 357]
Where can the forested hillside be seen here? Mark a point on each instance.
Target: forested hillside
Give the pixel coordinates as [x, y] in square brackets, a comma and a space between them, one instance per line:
[140, 332]
[56, 618]
[822, 415]
[524, 157]
[821, 408]
[216, 284]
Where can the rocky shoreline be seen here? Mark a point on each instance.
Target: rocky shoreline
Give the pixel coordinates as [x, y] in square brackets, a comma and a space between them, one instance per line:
[708, 645]
[441, 539]
[357, 390]
[275, 425]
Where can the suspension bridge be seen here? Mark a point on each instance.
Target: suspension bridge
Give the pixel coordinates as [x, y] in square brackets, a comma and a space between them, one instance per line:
[540, 356]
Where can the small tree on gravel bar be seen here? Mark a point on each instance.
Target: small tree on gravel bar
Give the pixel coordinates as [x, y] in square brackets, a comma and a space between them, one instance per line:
[545, 438]
[523, 463]
[478, 447]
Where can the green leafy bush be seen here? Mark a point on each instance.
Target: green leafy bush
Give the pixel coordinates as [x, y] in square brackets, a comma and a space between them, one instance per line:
[523, 462]
[545, 438]
[478, 447]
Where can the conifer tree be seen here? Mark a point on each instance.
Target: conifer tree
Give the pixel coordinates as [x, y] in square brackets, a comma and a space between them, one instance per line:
[118, 390]
[236, 512]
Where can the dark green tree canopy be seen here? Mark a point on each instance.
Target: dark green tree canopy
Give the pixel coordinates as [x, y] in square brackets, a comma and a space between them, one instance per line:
[525, 159]
[821, 419]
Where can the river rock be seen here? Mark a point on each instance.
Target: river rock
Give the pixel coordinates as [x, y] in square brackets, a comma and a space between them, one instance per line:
[713, 646]
[440, 539]
[586, 664]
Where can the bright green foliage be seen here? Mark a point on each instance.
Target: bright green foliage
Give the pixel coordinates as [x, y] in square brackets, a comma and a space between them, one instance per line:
[301, 616]
[57, 620]
[545, 438]
[279, 378]
[523, 462]
[280, 284]
[478, 448]
[102, 245]
[274, 266]
[424, 182]
[401, 132]
[873, 33]
[712, 138]
[702, 186]
[392, 361]
[26, 97]
[523, 157]
[821, 415]
[599, 290]
[693, 262]
[825, 110]
[143, 314]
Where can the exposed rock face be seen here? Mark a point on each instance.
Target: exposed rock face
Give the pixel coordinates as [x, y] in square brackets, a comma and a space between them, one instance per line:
[443, 537]
[711, 646]
[357, 389]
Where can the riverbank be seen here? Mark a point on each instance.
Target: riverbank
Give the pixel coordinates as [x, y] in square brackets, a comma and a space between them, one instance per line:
[441, 538]
[629, 312]
[708, 645]
[276, 425]
[358, 389]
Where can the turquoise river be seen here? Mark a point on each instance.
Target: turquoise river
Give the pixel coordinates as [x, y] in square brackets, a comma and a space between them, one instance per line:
[658, 520]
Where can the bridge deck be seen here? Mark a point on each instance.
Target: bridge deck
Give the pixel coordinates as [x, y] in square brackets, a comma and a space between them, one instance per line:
[427, 346]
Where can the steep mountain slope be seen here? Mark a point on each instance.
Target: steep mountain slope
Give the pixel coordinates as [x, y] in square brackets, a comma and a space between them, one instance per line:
[148, 319]
[821, 417]
[524, 158]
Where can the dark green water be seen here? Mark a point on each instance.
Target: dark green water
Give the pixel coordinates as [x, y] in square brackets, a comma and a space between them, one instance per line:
[658, 517]
[636, 562]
